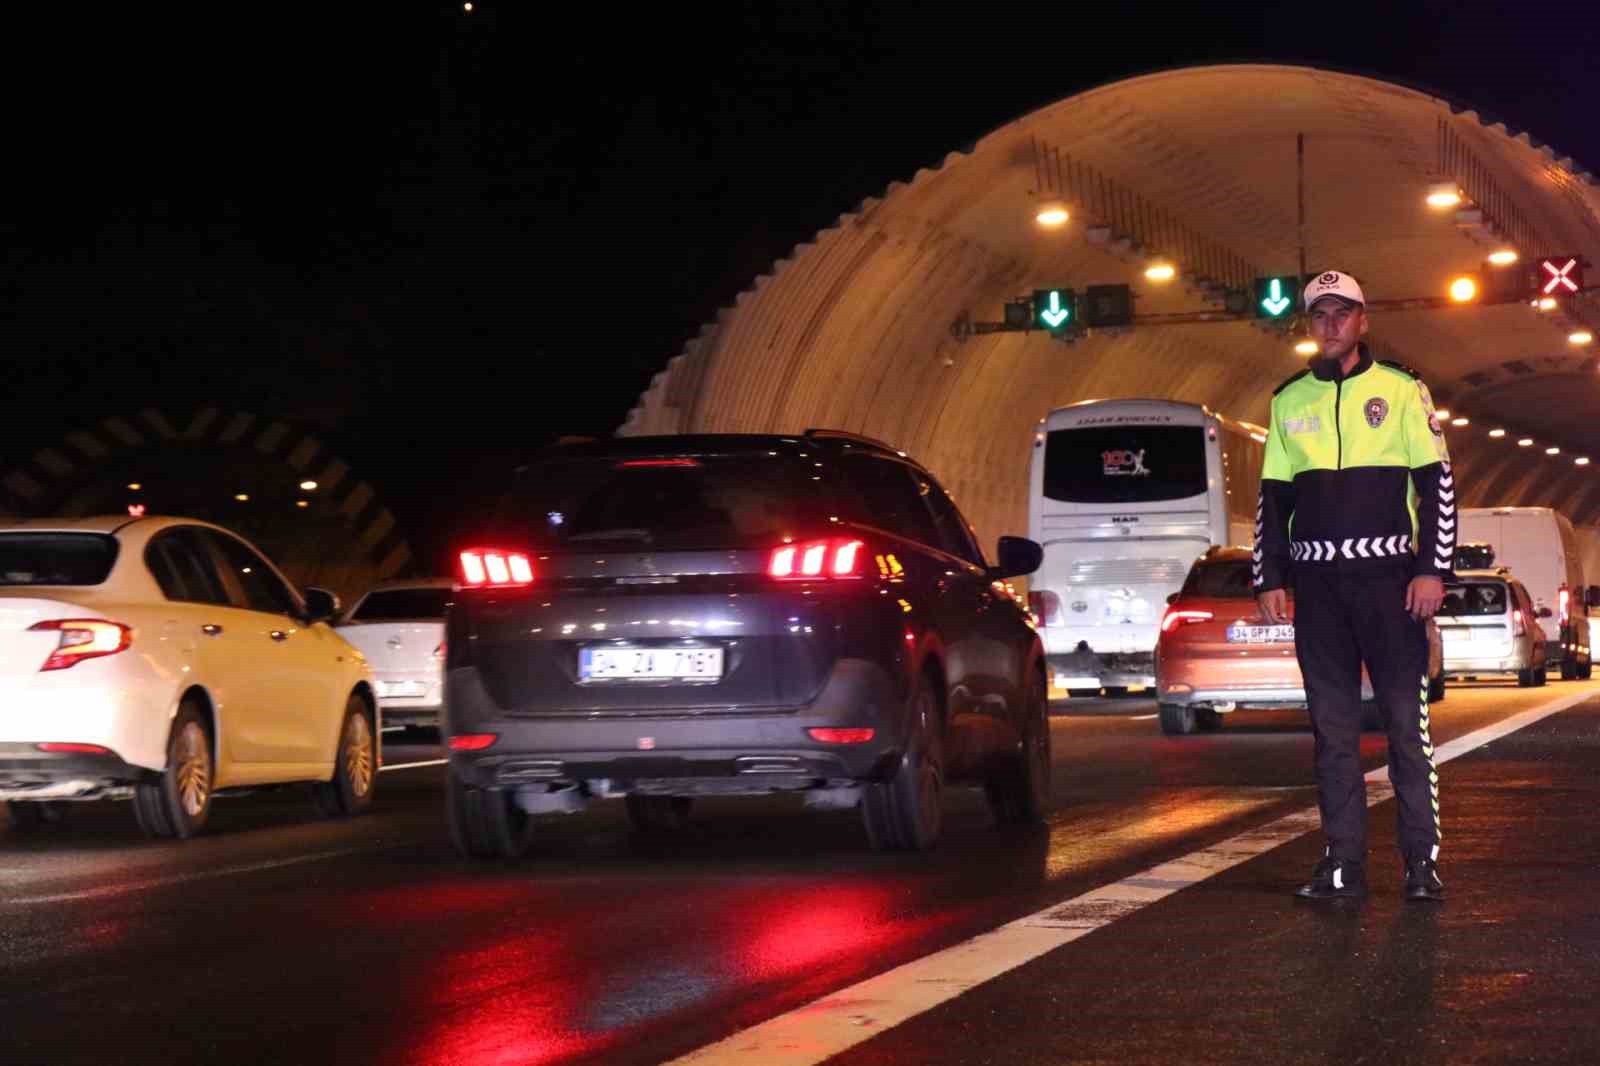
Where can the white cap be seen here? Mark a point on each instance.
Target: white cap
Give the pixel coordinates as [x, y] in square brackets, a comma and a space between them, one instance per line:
[1333, 283]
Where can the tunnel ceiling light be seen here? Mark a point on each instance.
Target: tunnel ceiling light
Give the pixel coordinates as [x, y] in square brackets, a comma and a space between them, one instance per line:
[1052, 213]
[1497, 433]
[1161, 271]
[301, 503]
[242, 497]
[1461, 422]
[308, 486]
[1582, 460]
[134, 486]
[1443, 413]
[1306, 347]
[1503, 256]
[1443, 194]
[1525, 442]
[1552, 450]
[1580, 336]
[1545, 303]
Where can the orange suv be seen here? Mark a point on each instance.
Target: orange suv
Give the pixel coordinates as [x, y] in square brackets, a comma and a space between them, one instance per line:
[1216, 653]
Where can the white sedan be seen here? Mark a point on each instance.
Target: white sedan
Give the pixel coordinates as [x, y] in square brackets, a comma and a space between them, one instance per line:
[166, 661]
[399, 627]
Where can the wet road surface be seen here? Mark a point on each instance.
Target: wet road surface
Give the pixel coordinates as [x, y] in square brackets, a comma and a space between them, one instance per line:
[282, 937]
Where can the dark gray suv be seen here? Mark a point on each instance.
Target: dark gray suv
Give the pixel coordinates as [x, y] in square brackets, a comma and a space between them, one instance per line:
[663, 618]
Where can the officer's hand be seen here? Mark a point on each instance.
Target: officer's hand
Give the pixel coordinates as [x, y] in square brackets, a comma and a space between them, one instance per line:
[1274, 605]
[1423, 596]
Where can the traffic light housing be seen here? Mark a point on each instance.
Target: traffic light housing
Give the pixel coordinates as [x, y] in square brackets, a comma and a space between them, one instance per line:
[1513, 283]
[1055, 310]
[1277, 298]
[1108, 305]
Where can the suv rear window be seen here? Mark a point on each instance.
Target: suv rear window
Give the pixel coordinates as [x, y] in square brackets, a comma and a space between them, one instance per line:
[56, 558]
[1476, 598]
[704, 502]
[399, 604]
[1221, 579]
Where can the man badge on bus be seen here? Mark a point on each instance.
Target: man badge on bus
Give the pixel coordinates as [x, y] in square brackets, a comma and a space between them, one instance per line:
[1357, 514]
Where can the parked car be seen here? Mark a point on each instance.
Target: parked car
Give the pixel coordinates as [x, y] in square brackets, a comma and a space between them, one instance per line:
[399, 627]
[1217, 654]
[657, 619]
[1489, 626]
[167, 661]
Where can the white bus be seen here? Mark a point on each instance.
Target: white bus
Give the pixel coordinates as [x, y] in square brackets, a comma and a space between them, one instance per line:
[1124, 495]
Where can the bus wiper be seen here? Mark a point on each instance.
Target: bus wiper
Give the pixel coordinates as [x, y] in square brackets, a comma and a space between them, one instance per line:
[613, 534]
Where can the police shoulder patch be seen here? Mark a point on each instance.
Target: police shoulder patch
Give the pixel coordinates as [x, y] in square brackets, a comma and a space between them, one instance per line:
[1291, 381]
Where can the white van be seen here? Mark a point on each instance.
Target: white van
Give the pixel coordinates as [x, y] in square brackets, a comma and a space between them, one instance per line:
[1540, 548]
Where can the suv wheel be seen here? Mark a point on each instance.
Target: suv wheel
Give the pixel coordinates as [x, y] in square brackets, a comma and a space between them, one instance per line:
[906, 813]
[1177, 719]
[486, 823]
[1569, 669]
[1586, 670]
[1019, 793]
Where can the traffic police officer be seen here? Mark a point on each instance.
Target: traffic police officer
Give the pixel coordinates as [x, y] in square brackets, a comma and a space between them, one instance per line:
[1358, 507]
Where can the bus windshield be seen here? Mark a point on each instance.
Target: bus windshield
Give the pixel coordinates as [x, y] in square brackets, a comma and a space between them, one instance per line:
[1125, 464]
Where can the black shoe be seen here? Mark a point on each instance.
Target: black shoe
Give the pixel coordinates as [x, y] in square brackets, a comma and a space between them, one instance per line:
[1422, 881]
[1334, 879]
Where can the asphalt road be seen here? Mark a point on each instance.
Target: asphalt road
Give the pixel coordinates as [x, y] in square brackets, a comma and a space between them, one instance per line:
[282, 937]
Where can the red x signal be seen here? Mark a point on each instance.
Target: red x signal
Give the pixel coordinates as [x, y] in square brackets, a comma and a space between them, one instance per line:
[1561, 275]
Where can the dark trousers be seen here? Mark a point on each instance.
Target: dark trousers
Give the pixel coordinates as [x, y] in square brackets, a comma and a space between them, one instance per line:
[1342, 618]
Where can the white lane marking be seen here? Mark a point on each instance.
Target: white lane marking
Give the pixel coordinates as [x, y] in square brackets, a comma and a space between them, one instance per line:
[126, 888]
[1142, 717]
[412, 765]
[825, 1027]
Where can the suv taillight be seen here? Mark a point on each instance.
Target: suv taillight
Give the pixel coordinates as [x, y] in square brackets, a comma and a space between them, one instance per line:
[1519, 628]
[83, 638]
[494, 568]
[1175, 618]
[1046, 608]
[815, 560]
[1564, 599]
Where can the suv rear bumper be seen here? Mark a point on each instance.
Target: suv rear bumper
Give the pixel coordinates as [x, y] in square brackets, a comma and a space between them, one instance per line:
[683, 752]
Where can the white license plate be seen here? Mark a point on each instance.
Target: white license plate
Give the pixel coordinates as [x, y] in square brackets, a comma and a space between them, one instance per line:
[399, 689]
[1261, 634]
[649, 664]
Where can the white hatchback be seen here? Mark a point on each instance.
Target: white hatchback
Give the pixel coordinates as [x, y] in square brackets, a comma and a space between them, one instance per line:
[399, 627]
[167, 661]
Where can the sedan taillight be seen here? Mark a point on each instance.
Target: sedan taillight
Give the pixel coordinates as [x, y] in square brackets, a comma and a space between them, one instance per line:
[1175, 618]
[1046, 608]
[83, 638]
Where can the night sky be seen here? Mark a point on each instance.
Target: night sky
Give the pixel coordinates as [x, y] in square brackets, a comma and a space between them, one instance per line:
[396, 221]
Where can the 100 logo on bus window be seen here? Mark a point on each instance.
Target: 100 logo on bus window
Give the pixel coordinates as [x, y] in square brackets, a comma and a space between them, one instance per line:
[1124, 462]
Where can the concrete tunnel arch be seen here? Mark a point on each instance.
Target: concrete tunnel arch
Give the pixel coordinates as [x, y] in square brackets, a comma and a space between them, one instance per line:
[346, 538]
[857, 328]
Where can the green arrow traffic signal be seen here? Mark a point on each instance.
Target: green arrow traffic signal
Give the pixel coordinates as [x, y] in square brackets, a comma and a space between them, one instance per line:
[1277, 297]
[1055, 309]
